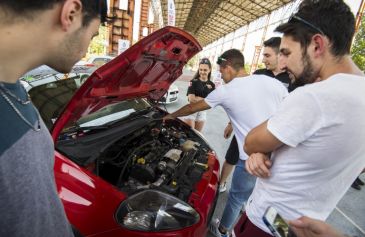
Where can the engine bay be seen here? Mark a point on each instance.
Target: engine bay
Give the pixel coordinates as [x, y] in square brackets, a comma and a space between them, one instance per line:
[158, 157]
[143, 153]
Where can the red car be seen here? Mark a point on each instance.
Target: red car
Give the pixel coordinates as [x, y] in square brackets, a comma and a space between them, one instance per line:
[119, 170]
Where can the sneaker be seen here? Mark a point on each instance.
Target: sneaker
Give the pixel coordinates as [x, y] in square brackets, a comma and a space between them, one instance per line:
[359, 181]
[223, 187]
[214, 230]
[356, 186]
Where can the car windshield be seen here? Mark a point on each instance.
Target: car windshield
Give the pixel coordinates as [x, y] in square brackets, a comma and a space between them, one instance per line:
[52, 97]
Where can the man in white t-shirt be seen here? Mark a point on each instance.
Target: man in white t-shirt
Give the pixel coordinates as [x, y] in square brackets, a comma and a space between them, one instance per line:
[248, 101]
[316, 137]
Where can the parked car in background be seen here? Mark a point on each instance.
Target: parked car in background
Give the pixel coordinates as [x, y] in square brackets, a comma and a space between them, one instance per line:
[96, 61]
[119, 170]
[44, 74]
[171, 96]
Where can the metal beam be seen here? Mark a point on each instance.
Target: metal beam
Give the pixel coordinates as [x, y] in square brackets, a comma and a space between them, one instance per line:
[253, 2]
[218, 14]
[211, 26]
[199, 13]
[243, 9]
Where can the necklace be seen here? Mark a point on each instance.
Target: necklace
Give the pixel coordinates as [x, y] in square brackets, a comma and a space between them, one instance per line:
[23, 102]
[37, 127]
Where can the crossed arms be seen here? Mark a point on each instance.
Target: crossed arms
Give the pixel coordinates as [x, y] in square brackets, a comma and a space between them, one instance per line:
[259, 143]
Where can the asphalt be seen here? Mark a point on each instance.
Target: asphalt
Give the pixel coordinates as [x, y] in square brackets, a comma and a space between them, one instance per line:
[349, 215]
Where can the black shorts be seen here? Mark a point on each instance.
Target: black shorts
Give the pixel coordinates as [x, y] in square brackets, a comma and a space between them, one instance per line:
[233, 153]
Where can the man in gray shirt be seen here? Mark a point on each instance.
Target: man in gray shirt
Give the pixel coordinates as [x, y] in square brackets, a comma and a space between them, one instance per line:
[55, 33]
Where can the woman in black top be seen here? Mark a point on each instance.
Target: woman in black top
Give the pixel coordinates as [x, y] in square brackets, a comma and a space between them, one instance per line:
[200, 87]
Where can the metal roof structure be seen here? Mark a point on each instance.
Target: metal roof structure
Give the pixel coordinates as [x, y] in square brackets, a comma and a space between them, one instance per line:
[209, 20]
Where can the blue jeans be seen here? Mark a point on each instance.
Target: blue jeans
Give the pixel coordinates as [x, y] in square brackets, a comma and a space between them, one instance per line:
[241, 189]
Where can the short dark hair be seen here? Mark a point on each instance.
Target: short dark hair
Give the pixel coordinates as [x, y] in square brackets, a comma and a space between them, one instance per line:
[234, 57]
[26, 8]
[274, 43]
[333, 18]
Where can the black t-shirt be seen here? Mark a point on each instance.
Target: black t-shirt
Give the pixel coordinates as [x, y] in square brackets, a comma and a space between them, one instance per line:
[283, 77]
[200, 88]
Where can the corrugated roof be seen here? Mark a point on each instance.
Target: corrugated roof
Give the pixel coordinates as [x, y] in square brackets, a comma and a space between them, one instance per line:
[209, 20]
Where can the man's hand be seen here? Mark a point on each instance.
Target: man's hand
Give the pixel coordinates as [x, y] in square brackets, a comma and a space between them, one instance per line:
[260, 139]
[187, 110]
[228, 131]
[308, 227]
[167, 117]
[258, 164]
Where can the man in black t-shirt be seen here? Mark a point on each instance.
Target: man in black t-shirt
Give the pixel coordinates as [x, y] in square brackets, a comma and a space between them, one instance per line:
[271, 61]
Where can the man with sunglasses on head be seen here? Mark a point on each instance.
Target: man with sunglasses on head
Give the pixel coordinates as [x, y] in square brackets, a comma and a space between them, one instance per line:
[55, 33]
[248, 101]
[316, 137]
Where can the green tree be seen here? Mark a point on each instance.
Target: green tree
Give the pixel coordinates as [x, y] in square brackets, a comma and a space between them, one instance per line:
[97, 45]
[191, 64]
[358, 48]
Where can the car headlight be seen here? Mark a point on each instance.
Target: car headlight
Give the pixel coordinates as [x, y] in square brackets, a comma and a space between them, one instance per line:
[152, 210]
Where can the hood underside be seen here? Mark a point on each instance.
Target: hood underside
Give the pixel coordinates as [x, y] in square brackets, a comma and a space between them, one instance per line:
[146, 69]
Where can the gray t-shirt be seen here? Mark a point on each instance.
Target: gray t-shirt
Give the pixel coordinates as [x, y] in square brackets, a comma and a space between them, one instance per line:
[29, 204]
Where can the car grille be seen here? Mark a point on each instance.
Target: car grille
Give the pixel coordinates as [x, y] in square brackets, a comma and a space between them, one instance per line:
[173, 99]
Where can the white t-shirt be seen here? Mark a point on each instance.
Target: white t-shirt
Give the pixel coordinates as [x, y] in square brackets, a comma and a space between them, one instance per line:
[323, 127]
[248, 101]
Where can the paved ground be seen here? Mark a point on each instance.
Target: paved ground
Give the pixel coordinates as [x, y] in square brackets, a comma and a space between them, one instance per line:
[349, 216]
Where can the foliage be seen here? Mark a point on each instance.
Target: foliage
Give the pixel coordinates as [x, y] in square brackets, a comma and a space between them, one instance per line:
[358, 48]
[192, 63]
[247, 67]
[98, 44]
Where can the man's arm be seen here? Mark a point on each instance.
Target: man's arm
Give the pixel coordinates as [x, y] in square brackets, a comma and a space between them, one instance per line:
[188, 109]
[258, 144]
[193, 98]
[228, 130]
[261, 140]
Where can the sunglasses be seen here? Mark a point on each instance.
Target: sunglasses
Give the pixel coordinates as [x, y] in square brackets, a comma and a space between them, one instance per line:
[221, 61]
[103, 12]
[305, 22]
[204, 61]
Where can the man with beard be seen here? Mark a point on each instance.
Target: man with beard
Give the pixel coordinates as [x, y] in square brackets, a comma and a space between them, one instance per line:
[316, 136]
[56, 33]
[271, 61]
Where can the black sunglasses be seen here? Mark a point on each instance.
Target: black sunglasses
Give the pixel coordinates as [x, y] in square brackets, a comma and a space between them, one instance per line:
[103, 12]
[204, 61]
[305, 22]
[221, 61]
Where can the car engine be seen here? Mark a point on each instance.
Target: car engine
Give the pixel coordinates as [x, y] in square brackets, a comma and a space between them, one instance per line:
[167, 157]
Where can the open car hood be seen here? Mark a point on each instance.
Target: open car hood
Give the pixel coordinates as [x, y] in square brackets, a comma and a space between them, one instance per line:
[146, 69]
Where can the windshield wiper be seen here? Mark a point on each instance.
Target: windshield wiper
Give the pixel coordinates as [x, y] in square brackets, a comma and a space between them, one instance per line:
[78, 128]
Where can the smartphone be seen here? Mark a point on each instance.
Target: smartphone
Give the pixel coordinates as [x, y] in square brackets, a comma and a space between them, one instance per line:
[277, 224]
